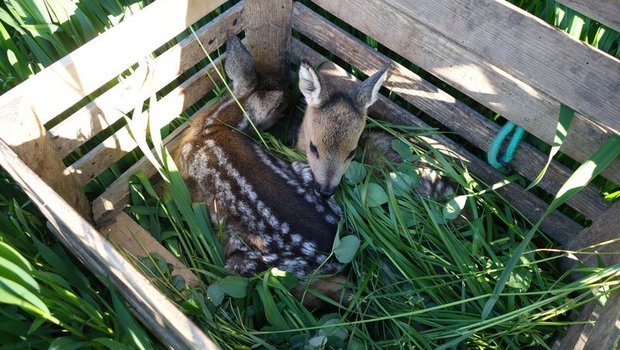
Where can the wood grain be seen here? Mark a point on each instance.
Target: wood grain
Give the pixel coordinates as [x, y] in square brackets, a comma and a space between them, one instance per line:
[493, 85]
[444, 108]
[606, 332]
[151, 306]
[108, 108]
[603, 11]
[604, 229]
[557, 225]
[22, 130]
[132, 240]
[167, 109]
[75, 76]
[268, 36]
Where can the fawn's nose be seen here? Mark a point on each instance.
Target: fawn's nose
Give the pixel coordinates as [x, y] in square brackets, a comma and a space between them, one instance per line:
[324, 191]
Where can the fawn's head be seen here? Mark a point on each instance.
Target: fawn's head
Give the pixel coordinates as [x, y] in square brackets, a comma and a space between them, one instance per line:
[333, 123]
[264, 99]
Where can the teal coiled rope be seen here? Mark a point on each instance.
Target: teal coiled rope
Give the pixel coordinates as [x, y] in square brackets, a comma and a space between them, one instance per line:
[506, 158]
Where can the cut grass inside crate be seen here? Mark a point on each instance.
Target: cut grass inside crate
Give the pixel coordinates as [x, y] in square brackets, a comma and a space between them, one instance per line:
[489, 71]
[420, 278]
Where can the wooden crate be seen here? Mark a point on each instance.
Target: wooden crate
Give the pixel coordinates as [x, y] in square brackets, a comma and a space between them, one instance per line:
[485, 49]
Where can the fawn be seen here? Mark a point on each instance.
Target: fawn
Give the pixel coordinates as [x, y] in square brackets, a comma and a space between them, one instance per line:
[271, 215]
[333, 126]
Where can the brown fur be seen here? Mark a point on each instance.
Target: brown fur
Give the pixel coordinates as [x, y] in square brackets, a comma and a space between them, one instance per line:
[271, 217]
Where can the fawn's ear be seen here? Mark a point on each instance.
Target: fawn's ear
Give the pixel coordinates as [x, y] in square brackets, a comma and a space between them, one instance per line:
[309, 84]
[367, 92]
[239, 66]
[263, 103]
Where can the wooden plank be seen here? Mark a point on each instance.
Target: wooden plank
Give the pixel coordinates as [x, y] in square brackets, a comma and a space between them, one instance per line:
[24, 132]
[487, 83]
[116, 196]
[601, 330]
[606, 332]
[152, 307]
[167, 109]
[131, 239]
[501, 34]
[606, 12]
[441, 106]
[577, 334]
[603, 233]
[75, 76]
[120, 99]
[557, 225]
[268, 36]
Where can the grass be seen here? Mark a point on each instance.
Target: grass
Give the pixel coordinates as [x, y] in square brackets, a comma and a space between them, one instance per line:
[421, 277]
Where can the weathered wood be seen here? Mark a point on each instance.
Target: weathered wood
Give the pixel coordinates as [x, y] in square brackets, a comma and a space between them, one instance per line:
[576, 74]
[120, 99]
[78, 74]
[131, 239]
[441, 106]
[268, 36]
[577, 334]
[603, 11]
[23, 131]
[151, 306]
[604, 229]
[557, 225]
[599, 328]
[490, 84]
[606, 332]
[167, 109]
[116, 196]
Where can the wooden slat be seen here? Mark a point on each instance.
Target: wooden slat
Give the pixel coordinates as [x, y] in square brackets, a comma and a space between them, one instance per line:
[131, 239]
[120, 99]
[603, 11]
[605, 333]
[557, 225]
[116, 196]
[168, 108]
[441, 106]
[268, 36]
[488, 83]
[604, 229]
[78, 74]
[503, 35]
[26, 135]
[156, 312]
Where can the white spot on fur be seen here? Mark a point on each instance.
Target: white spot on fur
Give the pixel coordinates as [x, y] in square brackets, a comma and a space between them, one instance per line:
[308, 248]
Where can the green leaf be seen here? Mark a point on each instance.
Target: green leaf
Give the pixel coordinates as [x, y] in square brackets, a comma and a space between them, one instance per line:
[453, 208]
[215, 292]
[561, 130]
[520, 279]
[317, 342]
[404, 151]
[136, 335]
[13, 272]
[67, 343]
[375, 195]
[355, 173]
[235, 286]
[346, 248]
[111, 344]
[9, 253]
[14, 294]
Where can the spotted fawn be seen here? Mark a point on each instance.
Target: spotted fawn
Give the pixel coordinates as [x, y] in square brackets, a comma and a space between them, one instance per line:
[271, 215]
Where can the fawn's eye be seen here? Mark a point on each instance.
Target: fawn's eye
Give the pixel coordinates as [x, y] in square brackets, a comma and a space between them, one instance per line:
[314, 150]
[351, 154]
